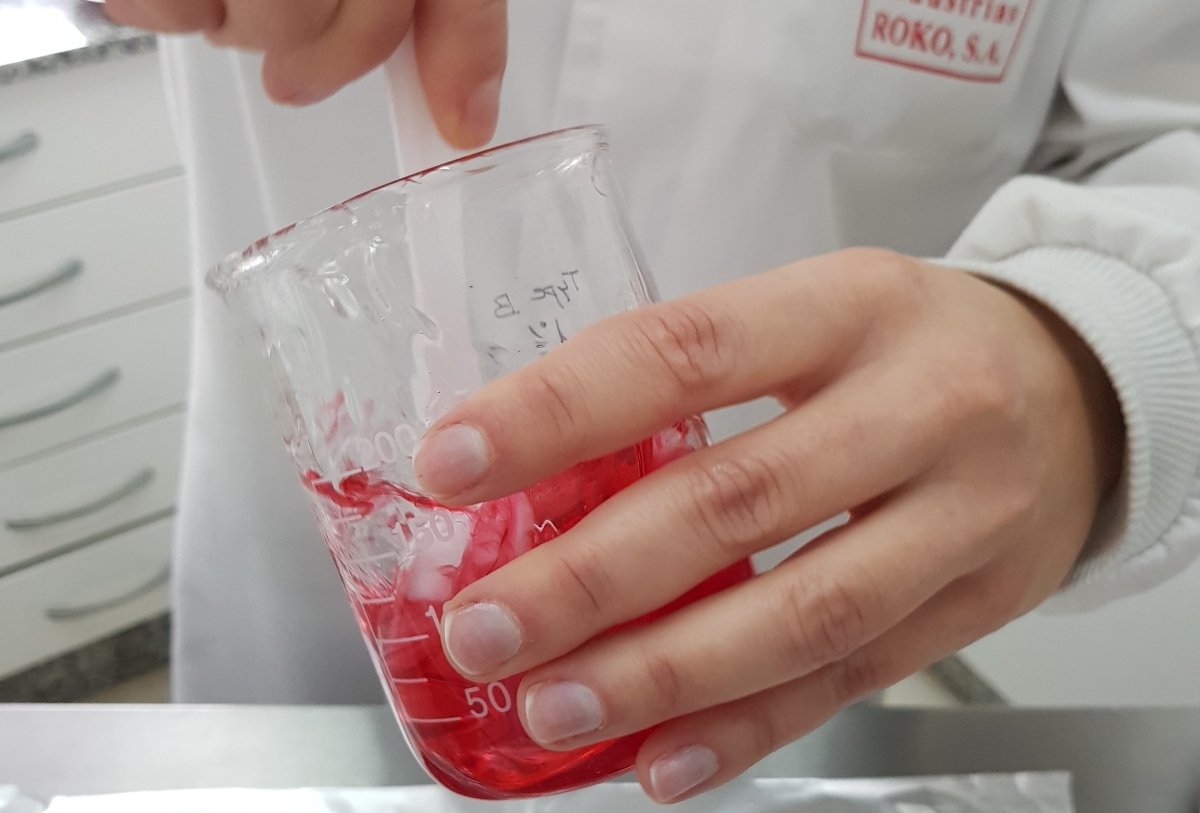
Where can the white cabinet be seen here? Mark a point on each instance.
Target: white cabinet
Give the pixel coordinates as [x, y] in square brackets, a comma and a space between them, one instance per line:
[94, 333]
[90, 259]
[62, 604]
[81, 382]
[88, 491]
[82, 130]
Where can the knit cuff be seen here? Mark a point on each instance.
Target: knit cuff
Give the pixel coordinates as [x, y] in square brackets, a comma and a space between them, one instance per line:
[1128, 321]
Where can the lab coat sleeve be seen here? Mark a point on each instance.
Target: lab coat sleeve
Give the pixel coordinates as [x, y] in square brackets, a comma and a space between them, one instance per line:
[1105, 231]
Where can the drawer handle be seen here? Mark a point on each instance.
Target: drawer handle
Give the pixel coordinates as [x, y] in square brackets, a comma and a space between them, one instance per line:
[130, 487]
[67, 612]
[67, 271]
[23, 144]
[94, 387]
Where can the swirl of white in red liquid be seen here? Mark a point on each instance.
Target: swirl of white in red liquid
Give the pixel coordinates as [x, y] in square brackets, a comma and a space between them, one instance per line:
[468, 735]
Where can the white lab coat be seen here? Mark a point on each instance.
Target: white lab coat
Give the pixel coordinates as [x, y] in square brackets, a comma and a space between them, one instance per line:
[745, 135]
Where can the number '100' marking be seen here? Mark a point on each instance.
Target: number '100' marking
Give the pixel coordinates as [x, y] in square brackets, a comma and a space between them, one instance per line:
[481, 700]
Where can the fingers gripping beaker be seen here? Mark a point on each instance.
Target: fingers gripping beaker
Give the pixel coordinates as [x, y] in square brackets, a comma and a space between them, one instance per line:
[374, 318]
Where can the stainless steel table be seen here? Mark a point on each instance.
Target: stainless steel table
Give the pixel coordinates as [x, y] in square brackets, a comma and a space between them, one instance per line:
[1137, 761]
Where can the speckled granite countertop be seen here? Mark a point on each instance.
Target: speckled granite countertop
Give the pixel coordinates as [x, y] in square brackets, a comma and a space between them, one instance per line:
[99, 665]
[47, 36]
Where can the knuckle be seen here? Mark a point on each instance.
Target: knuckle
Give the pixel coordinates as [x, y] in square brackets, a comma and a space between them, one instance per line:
[666, 683]
[287, 31]
[873, 259]
[886, 290]
[552, 397]
[824, 620]
[983, 385]
[765, 725]
[350, 45]
[262, 27]
[885, 275]
[375, 43]
[856, 677]
[687, 342]
[582, 569]
[738, 504]
[1009, 502]
[992, 601]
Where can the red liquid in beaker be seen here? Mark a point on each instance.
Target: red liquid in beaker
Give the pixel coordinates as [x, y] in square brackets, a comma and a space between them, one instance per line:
[468, 735]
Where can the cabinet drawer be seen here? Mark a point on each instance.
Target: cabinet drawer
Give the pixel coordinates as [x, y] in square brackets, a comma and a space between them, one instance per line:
[81, 130]
[88, 490]
[83, 596]
[60, 390]
[83, 259]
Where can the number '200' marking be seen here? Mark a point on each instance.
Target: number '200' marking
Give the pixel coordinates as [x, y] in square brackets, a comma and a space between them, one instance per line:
[384, 448]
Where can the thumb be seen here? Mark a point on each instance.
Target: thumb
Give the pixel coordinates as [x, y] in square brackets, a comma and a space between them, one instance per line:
[461, 48]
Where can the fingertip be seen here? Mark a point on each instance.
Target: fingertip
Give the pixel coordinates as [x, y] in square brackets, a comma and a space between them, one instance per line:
[449, 461]
[680, 773]
[479, 639]
[462, 50]
[476, 121]
[282, 88]
[118, 11]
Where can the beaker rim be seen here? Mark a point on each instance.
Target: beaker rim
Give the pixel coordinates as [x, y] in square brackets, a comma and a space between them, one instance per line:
[238, 269]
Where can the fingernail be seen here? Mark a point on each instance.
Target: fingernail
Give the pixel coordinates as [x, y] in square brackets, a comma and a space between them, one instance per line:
[479, 638]
[451, 460]
[481, 110]
[302, 97]
[560, 710]
[677, 772]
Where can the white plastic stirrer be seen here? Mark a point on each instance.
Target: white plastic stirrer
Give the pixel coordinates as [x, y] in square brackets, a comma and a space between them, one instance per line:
[438, 248]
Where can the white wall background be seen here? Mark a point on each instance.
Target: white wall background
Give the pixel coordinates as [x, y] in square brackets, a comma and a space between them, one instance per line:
[1141, 651]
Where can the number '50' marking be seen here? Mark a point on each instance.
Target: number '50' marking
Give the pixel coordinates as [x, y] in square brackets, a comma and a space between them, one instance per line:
[481, 700]
[498, 698]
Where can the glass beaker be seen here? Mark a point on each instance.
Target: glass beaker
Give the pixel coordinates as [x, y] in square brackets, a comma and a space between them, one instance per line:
[374, 318]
